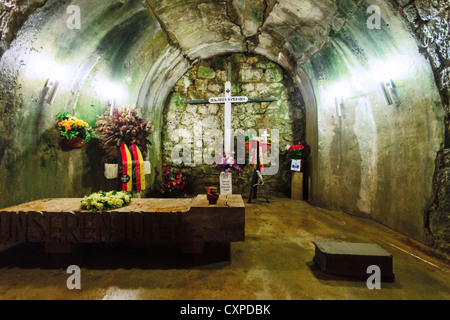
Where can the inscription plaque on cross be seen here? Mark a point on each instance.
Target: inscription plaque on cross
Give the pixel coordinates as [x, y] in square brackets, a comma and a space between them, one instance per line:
[228, 100]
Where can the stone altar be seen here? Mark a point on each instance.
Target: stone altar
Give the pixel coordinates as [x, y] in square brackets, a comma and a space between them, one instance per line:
[59, 223]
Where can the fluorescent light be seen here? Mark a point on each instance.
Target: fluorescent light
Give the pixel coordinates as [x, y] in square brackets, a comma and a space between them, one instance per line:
[386, 89]
[108, 90]
[339, 102]
[342, 90]
[43, 66]
[52, 97]
[394, 67]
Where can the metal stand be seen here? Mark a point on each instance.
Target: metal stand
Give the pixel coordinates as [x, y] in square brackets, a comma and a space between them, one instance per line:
[257, 180]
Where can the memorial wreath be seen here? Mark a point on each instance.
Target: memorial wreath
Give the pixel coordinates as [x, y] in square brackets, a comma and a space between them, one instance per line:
[123, 126]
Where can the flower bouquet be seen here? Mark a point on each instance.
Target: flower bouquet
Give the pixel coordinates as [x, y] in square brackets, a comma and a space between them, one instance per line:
[298, 151]
[74, 132]
[172, 183]
[225, 164]
[101, 200]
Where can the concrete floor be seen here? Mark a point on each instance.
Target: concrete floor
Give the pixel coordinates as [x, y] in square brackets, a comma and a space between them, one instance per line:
[275, 262]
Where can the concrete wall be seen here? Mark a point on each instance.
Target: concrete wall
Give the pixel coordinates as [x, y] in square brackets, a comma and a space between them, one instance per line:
[429, 21]
[376, 159]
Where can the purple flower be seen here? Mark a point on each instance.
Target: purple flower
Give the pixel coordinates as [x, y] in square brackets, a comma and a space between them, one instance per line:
[227, 167]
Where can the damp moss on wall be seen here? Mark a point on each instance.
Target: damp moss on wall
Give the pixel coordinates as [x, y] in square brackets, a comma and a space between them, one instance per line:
[106, 47]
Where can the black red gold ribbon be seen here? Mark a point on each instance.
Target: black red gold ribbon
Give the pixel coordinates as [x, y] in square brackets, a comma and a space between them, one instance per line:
[126, 169]
[254, 146]
[139, 169]
[131, 168]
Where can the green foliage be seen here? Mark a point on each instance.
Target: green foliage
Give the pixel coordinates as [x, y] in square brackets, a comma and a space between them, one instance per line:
[205, 72]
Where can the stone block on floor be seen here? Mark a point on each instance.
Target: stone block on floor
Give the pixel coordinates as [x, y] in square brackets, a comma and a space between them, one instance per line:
[352, 259]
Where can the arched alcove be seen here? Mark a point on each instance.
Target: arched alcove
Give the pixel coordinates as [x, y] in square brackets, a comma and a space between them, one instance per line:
[188, 125]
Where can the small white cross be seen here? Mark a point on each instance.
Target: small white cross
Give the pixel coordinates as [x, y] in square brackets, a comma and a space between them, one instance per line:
[265, 136]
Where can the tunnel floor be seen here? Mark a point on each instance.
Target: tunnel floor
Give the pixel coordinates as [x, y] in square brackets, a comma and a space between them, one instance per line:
[274, 263]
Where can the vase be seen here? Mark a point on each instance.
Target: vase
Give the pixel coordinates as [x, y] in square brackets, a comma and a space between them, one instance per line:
[212, 195]
[75, 143]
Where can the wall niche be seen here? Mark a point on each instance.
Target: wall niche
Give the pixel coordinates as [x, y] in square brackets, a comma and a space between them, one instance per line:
[253, 76]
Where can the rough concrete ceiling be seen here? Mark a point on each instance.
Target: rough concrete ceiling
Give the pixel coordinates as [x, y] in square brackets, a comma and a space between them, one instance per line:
[286, 29]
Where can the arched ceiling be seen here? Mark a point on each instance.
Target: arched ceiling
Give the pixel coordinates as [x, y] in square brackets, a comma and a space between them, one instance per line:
[146, 46]
[142, 35]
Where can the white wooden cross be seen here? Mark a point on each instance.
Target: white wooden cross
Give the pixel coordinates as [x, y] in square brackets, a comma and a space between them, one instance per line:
[228, 100]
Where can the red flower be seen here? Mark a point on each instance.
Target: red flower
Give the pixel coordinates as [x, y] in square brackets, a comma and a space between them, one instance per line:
[297, 151]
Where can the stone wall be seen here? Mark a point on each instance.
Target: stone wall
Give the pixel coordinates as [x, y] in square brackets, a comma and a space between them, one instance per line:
[13, 14]
[252, 76]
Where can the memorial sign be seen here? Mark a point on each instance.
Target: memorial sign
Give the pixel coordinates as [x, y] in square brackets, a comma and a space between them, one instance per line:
[226, 183]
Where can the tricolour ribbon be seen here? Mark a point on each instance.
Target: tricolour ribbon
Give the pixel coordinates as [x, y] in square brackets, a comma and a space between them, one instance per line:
[126, 169]
[139, 169]
[254, 155]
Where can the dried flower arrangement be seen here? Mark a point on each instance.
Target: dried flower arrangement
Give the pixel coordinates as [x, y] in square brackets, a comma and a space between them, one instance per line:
[123, 126]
